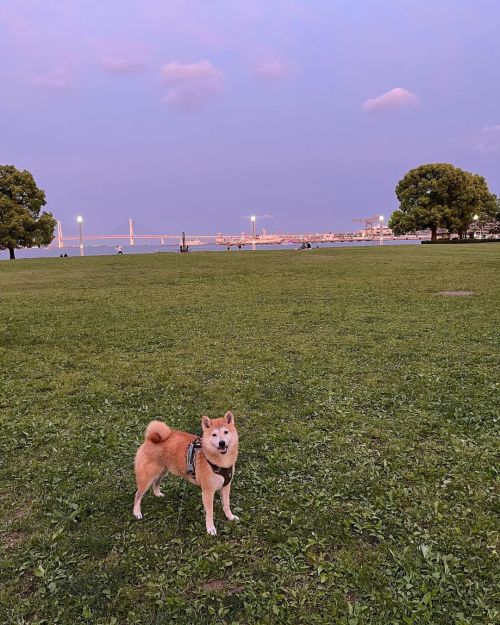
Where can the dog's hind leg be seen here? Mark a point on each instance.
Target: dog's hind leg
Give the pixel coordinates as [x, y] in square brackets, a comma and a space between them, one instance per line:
[137, 504]
[147, 476]
[156, 485]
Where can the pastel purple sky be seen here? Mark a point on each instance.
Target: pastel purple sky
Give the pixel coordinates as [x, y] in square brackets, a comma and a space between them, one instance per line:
[194, 114]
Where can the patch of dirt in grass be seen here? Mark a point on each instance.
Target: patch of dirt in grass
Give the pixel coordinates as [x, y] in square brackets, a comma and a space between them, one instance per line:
[111, 558]
[219, 585]
[19, 511]
[26, 585]
[367, 543]
[455, 293]
[376, 440]
[351, 596]
[11, 539]
[13, 511]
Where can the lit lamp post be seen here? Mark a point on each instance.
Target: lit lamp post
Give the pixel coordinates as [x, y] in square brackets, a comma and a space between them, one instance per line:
[252, 218]
[79, 219]
[381, 220]
[476, 217]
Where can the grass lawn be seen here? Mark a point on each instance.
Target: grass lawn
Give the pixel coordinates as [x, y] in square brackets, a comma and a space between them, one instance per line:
[367, 408]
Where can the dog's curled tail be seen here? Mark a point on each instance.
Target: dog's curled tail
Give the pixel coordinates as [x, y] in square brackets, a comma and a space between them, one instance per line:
[157, 432]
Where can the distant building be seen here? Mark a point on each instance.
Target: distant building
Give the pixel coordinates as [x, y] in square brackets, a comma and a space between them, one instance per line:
[375, 232]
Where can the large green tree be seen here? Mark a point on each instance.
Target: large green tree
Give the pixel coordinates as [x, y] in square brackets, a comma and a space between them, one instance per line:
[495, 225]
[21, 222]
[439, 195]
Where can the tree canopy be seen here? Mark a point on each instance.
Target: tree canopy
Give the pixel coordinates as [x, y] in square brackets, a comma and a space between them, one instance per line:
[21, 222]
[439, 195]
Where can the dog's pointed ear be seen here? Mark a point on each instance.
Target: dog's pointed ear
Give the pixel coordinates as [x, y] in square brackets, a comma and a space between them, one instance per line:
[205, 422]
[229, 417]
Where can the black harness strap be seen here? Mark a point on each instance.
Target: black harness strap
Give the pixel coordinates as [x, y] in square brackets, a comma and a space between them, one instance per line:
[225, 472]
[192, 450]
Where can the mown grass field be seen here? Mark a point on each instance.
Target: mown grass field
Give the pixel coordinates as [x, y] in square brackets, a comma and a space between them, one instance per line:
[367, 408]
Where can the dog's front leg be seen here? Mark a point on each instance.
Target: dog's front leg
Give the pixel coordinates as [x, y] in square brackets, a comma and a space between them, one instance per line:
[224, 495]
[208, 504]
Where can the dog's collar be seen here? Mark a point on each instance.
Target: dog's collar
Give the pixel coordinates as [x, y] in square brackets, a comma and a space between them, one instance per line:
[192, 450]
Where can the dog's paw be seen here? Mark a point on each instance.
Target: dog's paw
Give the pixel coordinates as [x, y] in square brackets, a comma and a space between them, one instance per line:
[159, 494]
[233, 517]
[138, 516]
[212, 531]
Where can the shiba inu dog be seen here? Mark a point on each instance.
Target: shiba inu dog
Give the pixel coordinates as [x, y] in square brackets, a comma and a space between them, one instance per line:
[207, 462]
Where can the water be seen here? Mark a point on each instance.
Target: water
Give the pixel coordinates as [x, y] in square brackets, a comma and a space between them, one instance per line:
[108, 250]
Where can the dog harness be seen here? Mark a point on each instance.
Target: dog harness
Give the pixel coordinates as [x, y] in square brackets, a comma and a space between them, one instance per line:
[192, 450]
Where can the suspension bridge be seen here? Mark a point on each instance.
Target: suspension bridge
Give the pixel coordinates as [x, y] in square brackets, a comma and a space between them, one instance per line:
[132, 238]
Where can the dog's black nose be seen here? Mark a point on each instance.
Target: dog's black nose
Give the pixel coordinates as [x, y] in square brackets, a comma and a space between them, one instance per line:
[222, 444]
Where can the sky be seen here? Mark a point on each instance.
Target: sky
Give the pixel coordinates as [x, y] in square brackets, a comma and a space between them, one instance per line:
[196, 114]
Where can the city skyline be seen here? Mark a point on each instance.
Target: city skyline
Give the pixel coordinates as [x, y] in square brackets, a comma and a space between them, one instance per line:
[193, 116]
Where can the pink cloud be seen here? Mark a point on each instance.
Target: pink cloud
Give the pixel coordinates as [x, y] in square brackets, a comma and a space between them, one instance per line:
[184, 98]
[57, 79]
[396, 98]
[488, 129]
[202, 72]
[121, 65]
[272, 70]
[190, 84]
[118, 56]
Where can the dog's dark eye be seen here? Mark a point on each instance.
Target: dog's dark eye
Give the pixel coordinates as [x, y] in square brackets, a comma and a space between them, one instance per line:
[226, 432]
[214, 434]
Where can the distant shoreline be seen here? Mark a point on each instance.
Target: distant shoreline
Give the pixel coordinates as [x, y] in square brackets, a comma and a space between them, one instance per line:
[110, 250]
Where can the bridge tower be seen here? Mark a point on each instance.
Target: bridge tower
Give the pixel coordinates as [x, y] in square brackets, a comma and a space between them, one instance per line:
[131, 231]
[60, 242]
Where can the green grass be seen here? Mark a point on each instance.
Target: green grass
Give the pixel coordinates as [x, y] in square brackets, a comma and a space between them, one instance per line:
[367, 408]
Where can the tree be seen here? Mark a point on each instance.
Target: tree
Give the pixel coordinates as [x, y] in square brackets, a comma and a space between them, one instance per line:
[494, 224]
[21, 222]
[439, 195]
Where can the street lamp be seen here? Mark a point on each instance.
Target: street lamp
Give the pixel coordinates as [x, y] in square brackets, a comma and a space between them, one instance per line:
[381, 220]
[476, 217]
[252, 218]
[79, 219]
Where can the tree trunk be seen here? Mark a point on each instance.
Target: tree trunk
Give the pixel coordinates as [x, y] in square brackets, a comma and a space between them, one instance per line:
[12, 253]
[434, 234]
